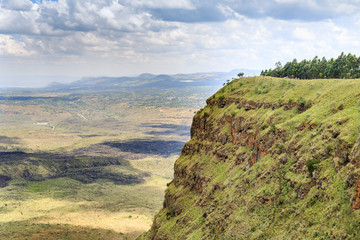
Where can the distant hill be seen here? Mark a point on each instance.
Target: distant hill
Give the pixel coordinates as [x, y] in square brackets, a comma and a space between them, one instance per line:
[149, 81]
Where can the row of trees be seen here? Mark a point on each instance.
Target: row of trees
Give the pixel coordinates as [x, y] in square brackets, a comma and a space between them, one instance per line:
[344, 66]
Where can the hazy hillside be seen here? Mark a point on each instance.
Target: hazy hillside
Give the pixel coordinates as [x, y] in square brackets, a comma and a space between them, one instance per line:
[269, 158]
[146, 81]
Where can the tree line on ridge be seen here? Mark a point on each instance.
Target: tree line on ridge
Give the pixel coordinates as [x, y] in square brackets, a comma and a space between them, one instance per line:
[344, 66]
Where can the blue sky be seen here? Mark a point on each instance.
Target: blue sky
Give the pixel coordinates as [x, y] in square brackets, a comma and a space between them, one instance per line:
[68, 39]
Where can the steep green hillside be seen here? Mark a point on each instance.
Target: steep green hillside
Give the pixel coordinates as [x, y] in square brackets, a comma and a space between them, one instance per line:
[269, 159]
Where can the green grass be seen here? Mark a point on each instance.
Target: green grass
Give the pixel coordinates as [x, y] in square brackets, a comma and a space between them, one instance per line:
[304, 197]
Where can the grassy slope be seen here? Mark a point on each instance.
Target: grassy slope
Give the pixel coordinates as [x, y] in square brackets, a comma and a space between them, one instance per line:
[306, 196]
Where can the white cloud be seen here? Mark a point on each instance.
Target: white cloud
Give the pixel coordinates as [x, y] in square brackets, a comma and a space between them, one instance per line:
[10, 46]
[111, 37]
[182, 4]
[303, 34]
[18, 5]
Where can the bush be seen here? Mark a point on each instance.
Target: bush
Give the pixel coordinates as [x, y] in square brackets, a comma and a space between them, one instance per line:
[263, 127]
[312, 201]
[301, 102]
[199, 111]
[311, 165]
[273, 128]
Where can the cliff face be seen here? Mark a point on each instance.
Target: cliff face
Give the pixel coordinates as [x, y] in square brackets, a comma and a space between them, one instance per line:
[269, 159]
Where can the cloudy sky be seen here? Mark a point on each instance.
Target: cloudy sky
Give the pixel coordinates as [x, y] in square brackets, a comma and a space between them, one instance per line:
[42, 40]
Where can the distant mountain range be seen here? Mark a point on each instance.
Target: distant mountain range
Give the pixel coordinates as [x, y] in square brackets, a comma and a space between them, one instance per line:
[150, 81]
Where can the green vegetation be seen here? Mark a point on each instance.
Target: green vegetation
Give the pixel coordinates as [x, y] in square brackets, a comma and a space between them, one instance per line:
[344, 66]
[77, 165]
[274, 164]
[33, 231]
[311, 165]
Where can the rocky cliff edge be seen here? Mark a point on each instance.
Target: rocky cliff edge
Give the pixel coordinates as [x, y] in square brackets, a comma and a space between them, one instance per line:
[269, 159]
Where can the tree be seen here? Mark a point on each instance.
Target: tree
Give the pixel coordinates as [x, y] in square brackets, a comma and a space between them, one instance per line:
[344, 66]
[240, 75]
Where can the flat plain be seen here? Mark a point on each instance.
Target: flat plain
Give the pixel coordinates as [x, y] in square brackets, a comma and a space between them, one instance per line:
[89, 165]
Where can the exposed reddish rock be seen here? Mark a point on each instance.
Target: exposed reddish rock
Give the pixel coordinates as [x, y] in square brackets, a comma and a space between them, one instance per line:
[303, 126]
[342, 151]
[228, 119]
[356, 197]
[289, 106]
[355, 153]
[222, 155]
[252, 160]
[250, 105]
[267, 105]
[240, 158]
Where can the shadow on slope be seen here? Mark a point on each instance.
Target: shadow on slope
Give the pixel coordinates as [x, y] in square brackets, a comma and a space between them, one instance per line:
[9, 140]
[168, 129]
[86, 169]
[146, 146]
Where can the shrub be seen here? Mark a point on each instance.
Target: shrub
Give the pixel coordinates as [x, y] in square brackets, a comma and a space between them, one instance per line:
[263, 127]
[273, 128]
[200, 110]
[170, 213]
[311, 165]
[301, 102]
[312, 201]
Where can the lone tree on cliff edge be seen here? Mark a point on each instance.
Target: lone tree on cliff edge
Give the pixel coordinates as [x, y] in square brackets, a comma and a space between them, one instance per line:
[240, 75]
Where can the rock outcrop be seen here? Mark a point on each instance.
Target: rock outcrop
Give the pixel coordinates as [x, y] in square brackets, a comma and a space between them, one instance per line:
[269, 159]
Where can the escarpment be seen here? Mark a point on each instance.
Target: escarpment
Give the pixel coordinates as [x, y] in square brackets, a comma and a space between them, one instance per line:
[269, 159]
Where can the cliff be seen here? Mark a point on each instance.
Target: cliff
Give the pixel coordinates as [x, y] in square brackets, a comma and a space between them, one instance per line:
[269, 159]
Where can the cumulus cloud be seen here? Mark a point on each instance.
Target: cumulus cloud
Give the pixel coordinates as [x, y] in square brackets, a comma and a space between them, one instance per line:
[303, 34]
[17, 5]
[305, 10]
[11, 46]
[188, 35]
[167, 4]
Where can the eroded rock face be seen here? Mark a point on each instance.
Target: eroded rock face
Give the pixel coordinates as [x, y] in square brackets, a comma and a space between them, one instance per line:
[356, 197]
[253, 165]
[355, 153]
[355, 160]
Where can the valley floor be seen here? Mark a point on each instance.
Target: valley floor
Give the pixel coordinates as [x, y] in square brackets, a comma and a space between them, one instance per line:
[89, 166]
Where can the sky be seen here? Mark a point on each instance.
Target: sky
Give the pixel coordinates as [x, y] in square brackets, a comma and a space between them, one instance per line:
[63, 40]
